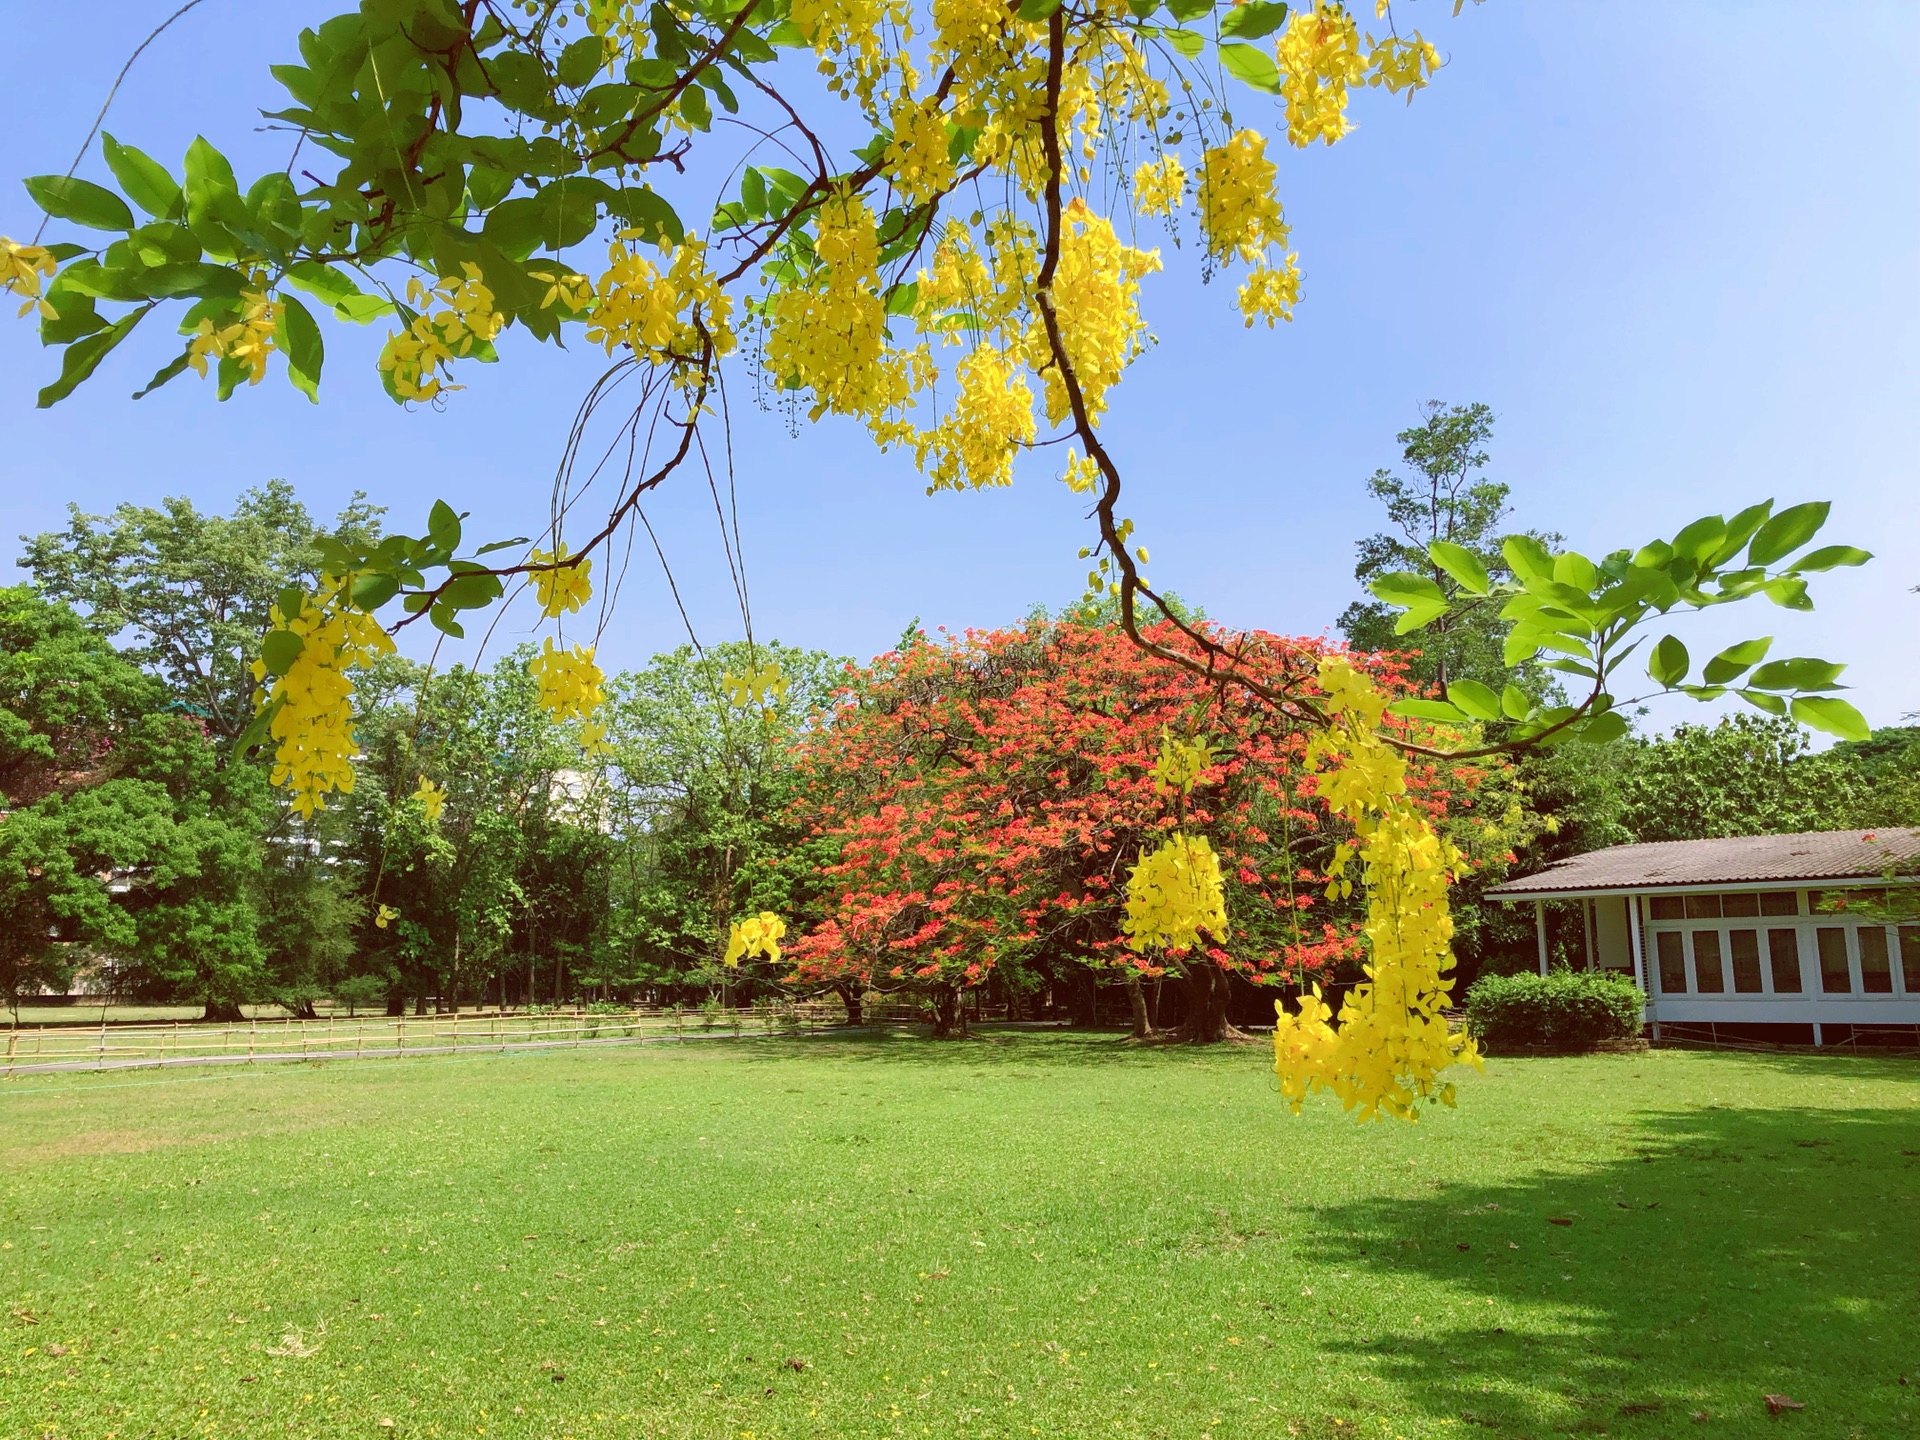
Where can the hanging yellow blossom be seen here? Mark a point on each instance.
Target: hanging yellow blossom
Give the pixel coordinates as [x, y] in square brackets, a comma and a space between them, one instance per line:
[757, 935]
[761, 686]
[1182, 762]
[1401, 64]
[568, 680]
[385, 916]
[432, 798]
[247, 341]
[1319, 55]
[1239, 212]
[1174, 896]
[1096, 295]
[563, 588]
[973, 447]
[1390, 1041]
[1159, 186]
[21, 267]
[1083, 473]
[593, 739]
[917, 159]
[312, 728]
[1270, 294]
[417, 360]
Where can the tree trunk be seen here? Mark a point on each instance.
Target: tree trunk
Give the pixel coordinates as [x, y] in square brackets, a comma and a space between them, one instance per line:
[226, 1012]
[949, 1015]
[396, 1002]
[1207, 993]
[1142, 1025]
[420, 1003]
[849, 997]
[305, 1011]
[1082, 1000]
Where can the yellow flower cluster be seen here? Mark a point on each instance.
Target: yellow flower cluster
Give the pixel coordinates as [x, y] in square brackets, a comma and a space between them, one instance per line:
[1182, 762]
[593, 739]
[21, 267]
[1174, 896]
[384, 917]
[917, 159]
[1319, 55]
[1401, 64]
[247, 341]
[656, 313]
[1083, 473]
[1159, 186]
[1384, 1051]
[757, 935]
[992, 417]
[829, 330]
[564, 588]
[312, 729]
[432, 798]
[1270, 294]
[568, 680]
[418, 359]
[761, 686]
[1096, 295]
[1239, 213]
[850, 38]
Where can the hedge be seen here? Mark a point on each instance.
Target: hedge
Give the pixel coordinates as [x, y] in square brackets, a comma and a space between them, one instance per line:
[1564, 1010]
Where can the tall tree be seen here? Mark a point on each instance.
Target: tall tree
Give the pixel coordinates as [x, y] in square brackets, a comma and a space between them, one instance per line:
[1445, 497]
[188, 595]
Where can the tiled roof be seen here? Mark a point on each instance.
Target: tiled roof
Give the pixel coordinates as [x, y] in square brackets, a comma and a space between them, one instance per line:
[1740, 860]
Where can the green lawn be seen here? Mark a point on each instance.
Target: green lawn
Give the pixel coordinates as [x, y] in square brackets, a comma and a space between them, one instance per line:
[1013, 1236]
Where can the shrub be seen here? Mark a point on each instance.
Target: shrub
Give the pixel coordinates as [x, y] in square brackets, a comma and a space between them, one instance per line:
[1566, 1010]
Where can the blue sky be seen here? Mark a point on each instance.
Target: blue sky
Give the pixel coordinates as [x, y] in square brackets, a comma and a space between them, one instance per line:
[1676, 247]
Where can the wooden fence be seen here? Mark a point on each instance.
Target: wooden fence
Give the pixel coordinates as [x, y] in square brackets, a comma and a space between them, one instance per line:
[48, 1048]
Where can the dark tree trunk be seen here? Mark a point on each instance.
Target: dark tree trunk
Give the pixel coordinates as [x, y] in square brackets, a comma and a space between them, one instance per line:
[305, 1011]
[1207, 992]
[396, 1003]
[1082, 1000]
[1142, 1023]
[420, 1003]
[849, 997]
[949, 1015]
[226, 1012]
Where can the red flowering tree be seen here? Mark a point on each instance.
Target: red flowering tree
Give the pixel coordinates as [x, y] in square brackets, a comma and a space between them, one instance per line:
[982, 800]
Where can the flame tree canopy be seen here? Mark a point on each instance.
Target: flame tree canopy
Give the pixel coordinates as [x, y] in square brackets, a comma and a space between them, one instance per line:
[981, 802]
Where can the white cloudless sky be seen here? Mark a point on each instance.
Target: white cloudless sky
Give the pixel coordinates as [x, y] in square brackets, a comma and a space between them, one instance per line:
[1675, 247]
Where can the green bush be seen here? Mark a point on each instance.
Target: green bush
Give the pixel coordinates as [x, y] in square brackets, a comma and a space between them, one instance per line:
[1565, 1010]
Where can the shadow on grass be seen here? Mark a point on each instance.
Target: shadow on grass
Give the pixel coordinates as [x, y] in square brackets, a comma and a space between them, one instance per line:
[1730, 1255]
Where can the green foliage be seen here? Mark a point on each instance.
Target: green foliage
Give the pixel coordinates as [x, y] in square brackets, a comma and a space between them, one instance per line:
[1441, 563]
[187, 595]
[1563, 1010]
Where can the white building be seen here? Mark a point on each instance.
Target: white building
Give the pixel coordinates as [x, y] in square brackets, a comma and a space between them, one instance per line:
[1807, 931]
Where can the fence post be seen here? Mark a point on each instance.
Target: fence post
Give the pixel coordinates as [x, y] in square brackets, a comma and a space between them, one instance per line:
[12, 1037]
[103, 1044]
[401, 1042]
[303, 1037]
[253, 1029]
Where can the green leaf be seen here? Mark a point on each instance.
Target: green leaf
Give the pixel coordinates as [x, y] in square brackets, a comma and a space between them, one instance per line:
[1702, 537]
[1514, 703]
[172, 370]
[1253, 20]
[1476, 699]
[581, 61]
[1458, 561]
[1404, 588]
[1832, 715]
[323, 282]
[1528, 557]
[1035, 12]
[300, 338]
[646, 211]
[1522, 644]
[501, 545]
[1831, 557]
[361, 309]
[1252, 66]
[200, 280]
[441, 618]
[471, 591]
[1760, 700]
[1789, 592]
[788, 35]
[1788, 531]
[1667, 665]
[443, 524]
[1428, 710]
[65, 197]
[370, 592]
[1603, 728]
[1740, 530]
[1188, 9]
[1799, 673]
[83, 356]
[259, 728]
[209, 176]
[145, 180]
[1189, 43]
[280, 649]
[1735, 660]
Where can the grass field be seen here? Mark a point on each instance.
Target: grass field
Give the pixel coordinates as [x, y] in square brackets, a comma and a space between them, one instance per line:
[1013, 1236]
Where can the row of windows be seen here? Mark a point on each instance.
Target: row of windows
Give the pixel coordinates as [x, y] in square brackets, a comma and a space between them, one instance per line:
[1737, 905]
[1772, 966]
